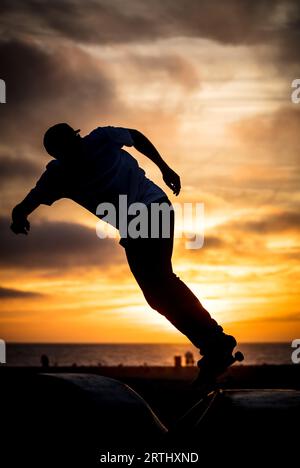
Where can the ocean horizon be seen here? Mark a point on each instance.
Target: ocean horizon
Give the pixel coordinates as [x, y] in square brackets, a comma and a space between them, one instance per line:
[133, 354]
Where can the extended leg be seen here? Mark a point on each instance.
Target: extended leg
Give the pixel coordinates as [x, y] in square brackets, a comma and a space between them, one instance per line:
[150, 263]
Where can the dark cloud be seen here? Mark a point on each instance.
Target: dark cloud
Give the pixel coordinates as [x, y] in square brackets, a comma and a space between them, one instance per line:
[8, 293]
[269, 153]
[239, 22]
[275, 131]
[47, 85]
[240, 241]
[271, 224]
[213, 242]
[56, 245]
[50, 78]
[174, 67]
[103, 21]
[60, 82]
[12, 168]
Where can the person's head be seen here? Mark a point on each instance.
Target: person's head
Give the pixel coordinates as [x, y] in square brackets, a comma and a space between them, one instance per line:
[61, 141]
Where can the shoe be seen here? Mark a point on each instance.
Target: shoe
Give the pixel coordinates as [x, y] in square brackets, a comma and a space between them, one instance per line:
[217, 356]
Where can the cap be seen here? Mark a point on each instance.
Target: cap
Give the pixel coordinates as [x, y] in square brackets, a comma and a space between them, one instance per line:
[57, 136]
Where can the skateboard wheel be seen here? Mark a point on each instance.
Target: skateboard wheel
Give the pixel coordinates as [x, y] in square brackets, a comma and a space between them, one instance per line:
[239, 356]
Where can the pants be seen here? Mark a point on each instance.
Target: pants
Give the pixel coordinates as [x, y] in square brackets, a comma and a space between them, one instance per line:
[150, 262]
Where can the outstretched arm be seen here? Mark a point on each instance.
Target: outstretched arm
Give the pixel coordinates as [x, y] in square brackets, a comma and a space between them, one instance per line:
[144, 146]
[20, 223]
[48, 189]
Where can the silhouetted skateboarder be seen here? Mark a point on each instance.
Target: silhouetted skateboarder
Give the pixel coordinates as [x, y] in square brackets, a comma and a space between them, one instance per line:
[95, 169]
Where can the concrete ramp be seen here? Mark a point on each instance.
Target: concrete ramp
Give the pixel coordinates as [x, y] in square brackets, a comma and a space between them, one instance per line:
[248, 426]
[71, 417]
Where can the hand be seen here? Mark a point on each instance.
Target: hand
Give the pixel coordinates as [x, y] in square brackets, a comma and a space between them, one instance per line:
[172, 180]
[20, 226]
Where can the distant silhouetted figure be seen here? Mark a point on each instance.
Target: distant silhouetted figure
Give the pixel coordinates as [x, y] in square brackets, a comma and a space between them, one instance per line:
[94, 169]
[44, 361]
[189, 358]
[177, 361]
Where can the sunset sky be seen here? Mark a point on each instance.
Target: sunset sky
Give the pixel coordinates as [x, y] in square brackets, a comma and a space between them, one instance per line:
[209, 83]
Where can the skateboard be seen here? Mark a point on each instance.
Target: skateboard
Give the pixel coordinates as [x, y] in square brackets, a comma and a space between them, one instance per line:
[206, 390]
[192, 418]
